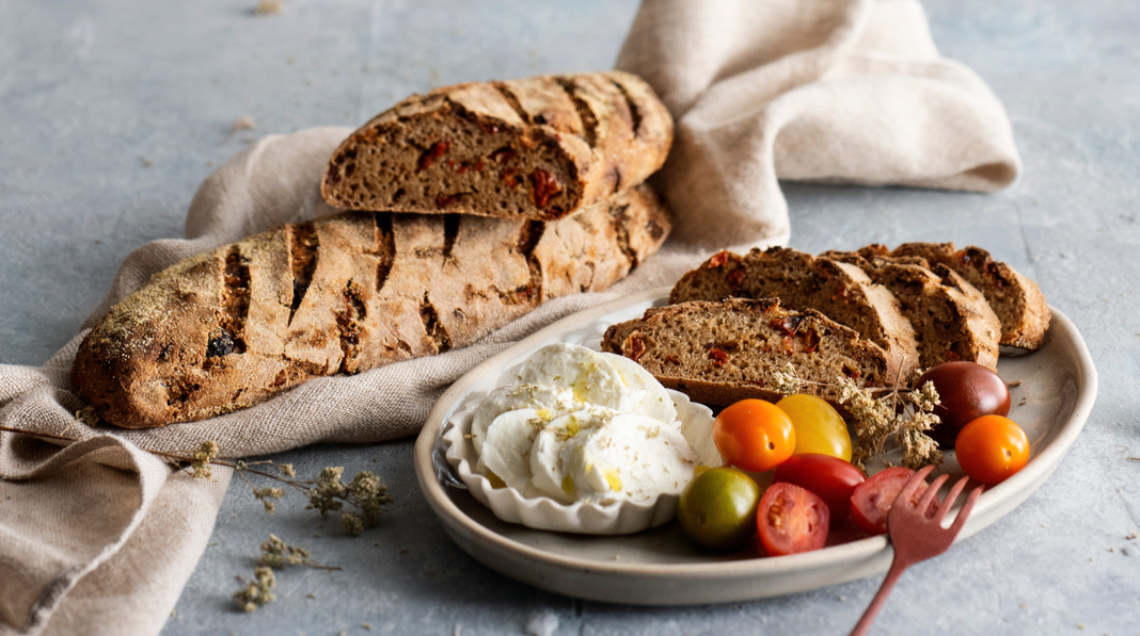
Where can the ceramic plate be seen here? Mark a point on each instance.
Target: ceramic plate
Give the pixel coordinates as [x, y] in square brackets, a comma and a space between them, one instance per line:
[657, 567]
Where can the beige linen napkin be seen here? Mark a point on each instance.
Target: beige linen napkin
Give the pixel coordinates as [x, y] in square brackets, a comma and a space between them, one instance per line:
[99, 537]
[841, 91]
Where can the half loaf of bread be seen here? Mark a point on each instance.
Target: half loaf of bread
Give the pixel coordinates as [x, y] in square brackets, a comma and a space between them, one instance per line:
[1017, 300]
[538, 148]
[232, 327]
[951, 319]
[721, 352]
[841, 291]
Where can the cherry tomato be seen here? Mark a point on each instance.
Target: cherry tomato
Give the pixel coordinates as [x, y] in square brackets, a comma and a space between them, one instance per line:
[791, 520]
[829, 477]
[967, 391]
[819, 427]
[754, 435]
[991, 448]
[717, 510]
[872, 499]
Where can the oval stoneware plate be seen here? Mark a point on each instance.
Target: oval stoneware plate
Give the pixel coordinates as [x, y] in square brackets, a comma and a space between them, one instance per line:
[658, 567]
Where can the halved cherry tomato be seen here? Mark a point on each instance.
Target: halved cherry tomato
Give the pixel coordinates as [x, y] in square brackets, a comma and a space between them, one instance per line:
[754, 435]
[831, 478]
[819, 427]
[967, 391]
[872, 499]
[991, 448]
[791, 520]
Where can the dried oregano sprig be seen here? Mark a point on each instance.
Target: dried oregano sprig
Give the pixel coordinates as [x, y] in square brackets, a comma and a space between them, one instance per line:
[275, 555]
[904, 415]
[366, 492]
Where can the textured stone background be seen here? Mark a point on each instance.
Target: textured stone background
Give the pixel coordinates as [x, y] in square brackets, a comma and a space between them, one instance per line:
[113, 111]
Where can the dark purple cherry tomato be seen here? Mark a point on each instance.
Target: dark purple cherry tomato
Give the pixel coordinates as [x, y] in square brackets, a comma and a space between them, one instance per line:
[967, 391]
[829, 477]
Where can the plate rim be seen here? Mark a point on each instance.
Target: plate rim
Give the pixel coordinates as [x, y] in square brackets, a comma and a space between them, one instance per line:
[871, 547]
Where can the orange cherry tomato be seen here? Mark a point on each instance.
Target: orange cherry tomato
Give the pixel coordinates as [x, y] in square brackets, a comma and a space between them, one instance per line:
[754, 435]
[991, 448]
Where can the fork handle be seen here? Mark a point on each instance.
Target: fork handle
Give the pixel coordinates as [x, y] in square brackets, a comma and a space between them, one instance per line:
[897, 567]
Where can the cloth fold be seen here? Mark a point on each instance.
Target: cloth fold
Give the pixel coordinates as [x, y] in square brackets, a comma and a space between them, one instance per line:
[100, 536]
[838, 91]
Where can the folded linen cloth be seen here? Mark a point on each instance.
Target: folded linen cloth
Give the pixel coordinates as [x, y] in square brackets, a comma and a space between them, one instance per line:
[840, 91]
[99, 536]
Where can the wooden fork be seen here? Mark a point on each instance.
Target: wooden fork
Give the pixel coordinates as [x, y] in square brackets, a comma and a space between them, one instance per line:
[916, 536]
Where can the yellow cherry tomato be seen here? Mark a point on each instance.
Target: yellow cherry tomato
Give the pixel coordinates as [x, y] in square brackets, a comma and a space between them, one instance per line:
[754, 435]
[819, 427]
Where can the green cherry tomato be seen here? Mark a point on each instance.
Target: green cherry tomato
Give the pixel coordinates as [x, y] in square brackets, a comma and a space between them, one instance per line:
[819, 427]
[717, 509]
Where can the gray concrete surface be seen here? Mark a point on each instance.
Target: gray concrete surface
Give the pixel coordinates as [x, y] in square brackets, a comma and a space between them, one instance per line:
[112, 112]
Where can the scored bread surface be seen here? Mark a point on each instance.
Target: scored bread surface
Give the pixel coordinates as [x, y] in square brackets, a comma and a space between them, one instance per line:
[232, 327]
[725, 351]
[536, 148]
[1017, 300]
[841, 291]
[951, 319]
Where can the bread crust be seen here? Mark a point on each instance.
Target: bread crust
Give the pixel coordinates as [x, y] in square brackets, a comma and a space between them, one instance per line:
[539, 148]
[841, 291]
[232, 327]
[1016, 300]
[724, 351]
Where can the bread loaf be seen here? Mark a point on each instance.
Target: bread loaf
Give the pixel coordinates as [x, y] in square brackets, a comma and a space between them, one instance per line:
[840, 291]
[951, 318]
[230, 328]
[1017, 301]
[721, 352]
[539, 148]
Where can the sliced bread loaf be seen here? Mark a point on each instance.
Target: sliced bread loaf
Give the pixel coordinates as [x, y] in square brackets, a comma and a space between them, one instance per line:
[951, 318]
[233, 327]
[1017, 301]
[841, 291]
[721, 352]
[538, 148]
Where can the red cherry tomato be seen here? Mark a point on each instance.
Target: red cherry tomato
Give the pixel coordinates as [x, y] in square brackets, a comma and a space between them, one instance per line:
[991, 448]
[967, 391]
[829, 477]
[872, 499]
[791, 520]
[754, 435]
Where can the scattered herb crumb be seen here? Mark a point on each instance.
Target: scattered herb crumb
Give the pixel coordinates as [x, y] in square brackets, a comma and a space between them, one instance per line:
[202, 458]
[267, 7]
[257, 592]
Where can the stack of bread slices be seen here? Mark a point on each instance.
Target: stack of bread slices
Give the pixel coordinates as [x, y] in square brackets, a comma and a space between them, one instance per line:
[469, 206]
[876, 316]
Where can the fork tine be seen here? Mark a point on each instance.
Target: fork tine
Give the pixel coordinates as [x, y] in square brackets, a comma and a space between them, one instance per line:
[951, 496]
[964, 511]
[931, 493]
[911, 484]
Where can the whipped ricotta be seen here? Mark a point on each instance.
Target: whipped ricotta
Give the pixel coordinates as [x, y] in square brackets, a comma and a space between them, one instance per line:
[582, 426]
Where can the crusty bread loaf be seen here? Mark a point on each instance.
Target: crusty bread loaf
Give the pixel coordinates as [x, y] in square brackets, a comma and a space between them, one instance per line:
[1017, 301]
[230, 328]
[841, 291]
[721, 352]
[537, 148]
[951, 318]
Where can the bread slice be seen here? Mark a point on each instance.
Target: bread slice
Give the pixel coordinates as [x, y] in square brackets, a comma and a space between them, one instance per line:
[721, 352]
[233, 327]
[951, 318]
[1017, 301]
[840, 291]
[538, 148]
